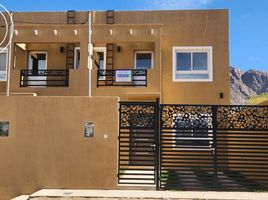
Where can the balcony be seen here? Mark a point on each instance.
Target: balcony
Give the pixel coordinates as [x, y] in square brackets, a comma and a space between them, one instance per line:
[44, 78]
[122, 77]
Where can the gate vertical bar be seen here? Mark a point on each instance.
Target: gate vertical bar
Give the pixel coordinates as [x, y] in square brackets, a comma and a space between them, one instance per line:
[215, 156]
[118, 140]
[157, 146]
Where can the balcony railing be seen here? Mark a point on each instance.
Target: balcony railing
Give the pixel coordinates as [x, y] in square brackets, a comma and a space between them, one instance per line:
[44, 78]
[122, 77]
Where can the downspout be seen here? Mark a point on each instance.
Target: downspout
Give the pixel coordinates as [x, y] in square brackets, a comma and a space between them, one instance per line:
[90, 50]
[11, 29]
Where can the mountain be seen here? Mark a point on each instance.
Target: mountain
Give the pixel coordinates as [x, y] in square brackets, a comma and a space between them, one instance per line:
[247, 84]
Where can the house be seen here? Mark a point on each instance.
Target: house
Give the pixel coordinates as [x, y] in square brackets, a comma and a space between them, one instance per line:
[79, 65]
[179, 56]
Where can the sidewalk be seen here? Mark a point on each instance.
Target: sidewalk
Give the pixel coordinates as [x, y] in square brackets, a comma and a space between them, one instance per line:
[137, 194]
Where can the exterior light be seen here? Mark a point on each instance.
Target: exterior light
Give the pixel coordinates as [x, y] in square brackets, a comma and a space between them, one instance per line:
[36, 32]
[131, 32]
[111, 32]
[75, 32]
[16, 32]
[152, 31]
[55, 32]
[89, 129]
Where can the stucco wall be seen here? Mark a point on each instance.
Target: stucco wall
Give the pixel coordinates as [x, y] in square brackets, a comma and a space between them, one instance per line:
[185, 28]
[171, 28]
[46, 147]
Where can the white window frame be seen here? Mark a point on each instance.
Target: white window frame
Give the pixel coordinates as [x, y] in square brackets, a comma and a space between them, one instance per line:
[75, 57]
[192, 49]
[135, 58]
[5, 52]
[101, 49]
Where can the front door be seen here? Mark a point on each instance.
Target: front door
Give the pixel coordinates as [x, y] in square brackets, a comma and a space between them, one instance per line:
[37, 64]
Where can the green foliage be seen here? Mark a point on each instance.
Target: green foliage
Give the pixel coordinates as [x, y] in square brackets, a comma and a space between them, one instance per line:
[258, 99]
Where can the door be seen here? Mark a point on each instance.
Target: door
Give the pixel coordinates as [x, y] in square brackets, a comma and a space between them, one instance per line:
[100, 61]
[37, 64]
[138, 135]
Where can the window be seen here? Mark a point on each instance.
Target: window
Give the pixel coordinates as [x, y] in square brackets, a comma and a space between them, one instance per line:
[76, 57]
[4, 127]
[3, 65]
[192, 64]
[143, 60]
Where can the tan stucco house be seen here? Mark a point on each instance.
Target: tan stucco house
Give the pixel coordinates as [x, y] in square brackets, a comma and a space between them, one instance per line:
[177, 56]
[91, 95]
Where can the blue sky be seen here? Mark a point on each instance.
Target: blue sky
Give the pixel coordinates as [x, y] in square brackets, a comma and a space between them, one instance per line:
[248, 20]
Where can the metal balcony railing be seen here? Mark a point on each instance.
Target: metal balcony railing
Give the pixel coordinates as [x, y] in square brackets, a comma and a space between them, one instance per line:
[44, 78]
[122, 77]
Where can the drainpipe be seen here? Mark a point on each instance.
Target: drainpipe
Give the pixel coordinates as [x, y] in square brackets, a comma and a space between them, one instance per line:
[9, 53]
[90, 49]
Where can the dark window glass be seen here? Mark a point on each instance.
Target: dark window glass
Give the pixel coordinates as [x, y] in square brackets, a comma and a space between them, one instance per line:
[143, 61]
[183, 61]
[200, 61]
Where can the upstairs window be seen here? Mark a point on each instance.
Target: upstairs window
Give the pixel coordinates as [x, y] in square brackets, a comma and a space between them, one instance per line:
[192, 64]
[3, 65]
[143, 60]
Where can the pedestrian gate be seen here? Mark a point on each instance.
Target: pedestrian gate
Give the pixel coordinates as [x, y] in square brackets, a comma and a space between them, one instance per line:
[193, 147]
[137, 143]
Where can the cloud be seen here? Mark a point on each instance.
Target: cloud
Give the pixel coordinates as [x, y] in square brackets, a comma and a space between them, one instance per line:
[178, 4]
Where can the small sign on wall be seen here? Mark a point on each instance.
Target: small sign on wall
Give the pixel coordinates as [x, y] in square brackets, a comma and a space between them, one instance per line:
[123, 76]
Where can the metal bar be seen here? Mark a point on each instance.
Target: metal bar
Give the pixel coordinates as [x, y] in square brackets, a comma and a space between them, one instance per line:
[63, 74]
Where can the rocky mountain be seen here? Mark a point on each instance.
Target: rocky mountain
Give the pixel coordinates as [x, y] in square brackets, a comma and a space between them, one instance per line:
[247, 84]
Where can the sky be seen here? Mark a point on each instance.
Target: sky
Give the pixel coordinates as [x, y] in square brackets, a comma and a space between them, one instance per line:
[248, 20]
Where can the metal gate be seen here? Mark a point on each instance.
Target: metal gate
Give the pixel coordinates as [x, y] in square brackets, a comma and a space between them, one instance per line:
[188, 144]
[138, 138]
[214, 147]
[193, 147]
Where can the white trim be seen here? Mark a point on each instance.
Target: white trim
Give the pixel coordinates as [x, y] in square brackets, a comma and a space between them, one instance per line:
[75, 57]
[192, 49]
[141, 52]
[4, 52]
[101, 49]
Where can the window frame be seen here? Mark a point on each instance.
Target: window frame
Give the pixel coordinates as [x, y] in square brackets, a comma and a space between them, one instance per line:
[192, 49]
[143, 52]
[5, 51]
